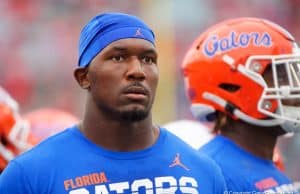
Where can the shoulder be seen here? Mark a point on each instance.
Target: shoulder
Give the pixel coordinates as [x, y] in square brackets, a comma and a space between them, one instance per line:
[220, 147]
[47, 151]
[14, 180]
[202, 167]
[34, 166]
[191, 155]
[175, 142]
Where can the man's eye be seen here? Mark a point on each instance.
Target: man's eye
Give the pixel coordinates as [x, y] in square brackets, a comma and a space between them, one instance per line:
[118, 58]
[148, 60]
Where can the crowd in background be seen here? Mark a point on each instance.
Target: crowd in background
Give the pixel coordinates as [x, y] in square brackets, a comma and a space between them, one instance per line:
[39, 41]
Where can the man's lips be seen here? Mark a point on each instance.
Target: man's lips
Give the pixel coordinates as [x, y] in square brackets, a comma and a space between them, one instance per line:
[136, 92]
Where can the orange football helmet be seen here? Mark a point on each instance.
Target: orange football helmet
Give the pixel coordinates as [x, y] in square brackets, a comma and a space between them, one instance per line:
[15, 136]
[226, 70]
[45, 122]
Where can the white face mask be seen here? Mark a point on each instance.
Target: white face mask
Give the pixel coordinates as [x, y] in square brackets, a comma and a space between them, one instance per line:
[283, 86]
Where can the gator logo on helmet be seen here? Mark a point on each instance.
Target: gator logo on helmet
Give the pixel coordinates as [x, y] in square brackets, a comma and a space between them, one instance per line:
[214, 45]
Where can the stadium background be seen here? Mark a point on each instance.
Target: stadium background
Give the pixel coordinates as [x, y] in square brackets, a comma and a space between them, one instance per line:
[39, 39]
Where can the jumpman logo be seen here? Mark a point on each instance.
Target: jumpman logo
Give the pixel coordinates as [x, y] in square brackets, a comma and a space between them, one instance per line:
[177, 162]
[138, 32]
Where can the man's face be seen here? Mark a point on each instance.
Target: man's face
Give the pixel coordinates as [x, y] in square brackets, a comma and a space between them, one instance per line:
[123, 79]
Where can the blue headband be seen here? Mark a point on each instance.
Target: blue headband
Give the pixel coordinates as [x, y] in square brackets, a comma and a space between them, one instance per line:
[106, 28]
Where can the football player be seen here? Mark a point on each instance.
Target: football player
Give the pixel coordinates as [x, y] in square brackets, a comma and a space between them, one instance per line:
[116, 148]
[245, 72]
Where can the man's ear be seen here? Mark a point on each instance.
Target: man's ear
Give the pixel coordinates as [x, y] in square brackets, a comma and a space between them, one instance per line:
[81, 76]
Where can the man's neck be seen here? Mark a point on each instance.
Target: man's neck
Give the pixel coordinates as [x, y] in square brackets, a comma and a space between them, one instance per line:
[119, 135]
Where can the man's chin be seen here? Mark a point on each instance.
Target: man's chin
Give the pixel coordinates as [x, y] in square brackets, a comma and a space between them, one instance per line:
[134, 115]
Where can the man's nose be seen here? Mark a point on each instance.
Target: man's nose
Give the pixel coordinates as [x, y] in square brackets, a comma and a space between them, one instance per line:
[135, 69]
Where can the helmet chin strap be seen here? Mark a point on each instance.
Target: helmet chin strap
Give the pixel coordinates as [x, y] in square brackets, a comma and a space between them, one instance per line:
[239, 114]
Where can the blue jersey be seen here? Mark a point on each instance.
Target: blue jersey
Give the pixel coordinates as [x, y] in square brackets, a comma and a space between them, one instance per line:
[244, 172]
[68, 163]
